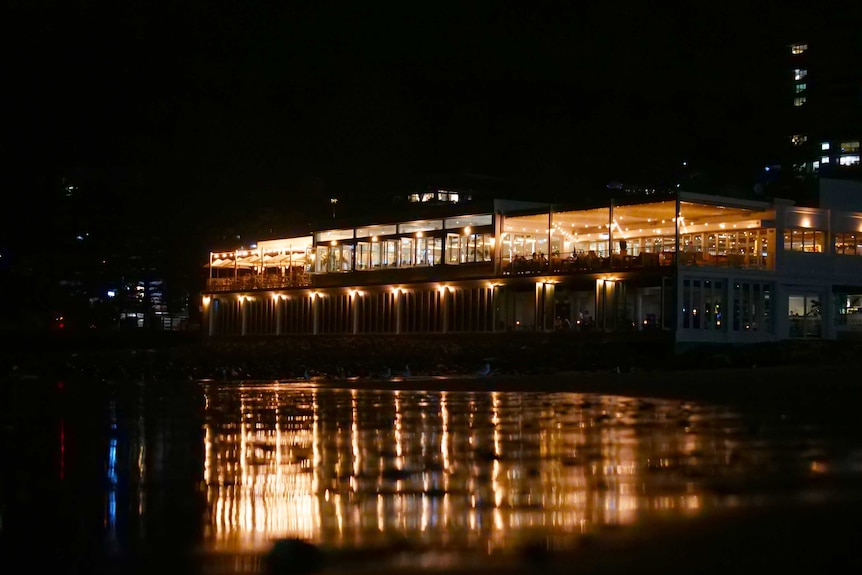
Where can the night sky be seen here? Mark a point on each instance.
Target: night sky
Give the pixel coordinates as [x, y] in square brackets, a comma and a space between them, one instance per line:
[243, 107]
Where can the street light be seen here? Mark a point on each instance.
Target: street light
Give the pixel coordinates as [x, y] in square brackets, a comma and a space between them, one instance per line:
[333, 201]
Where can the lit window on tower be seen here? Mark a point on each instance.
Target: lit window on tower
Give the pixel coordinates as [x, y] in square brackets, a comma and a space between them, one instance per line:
[799, 73]
[798, 48]
[800, 101]
[798, 139]
[849, 147]
[801, 87]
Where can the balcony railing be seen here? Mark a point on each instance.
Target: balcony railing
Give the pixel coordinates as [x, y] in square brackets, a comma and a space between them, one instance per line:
[588, 262]
[592, 262]
[256, 282]
[522, 266]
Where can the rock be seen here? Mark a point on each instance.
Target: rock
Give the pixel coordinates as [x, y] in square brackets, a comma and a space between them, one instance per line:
[294, 557]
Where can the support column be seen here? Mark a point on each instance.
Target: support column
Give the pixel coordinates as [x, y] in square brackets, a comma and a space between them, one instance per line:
[354, 310]
[396, 301]
[544, 307]
[210, 305]
[243, 314]
[279, 313]
[444, 310]
[315, 314]
[493, 308]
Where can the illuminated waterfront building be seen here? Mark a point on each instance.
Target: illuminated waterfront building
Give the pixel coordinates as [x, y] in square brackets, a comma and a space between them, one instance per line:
[701, 268]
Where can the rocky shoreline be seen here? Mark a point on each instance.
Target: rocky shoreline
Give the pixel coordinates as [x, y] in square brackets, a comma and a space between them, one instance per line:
[173, 356]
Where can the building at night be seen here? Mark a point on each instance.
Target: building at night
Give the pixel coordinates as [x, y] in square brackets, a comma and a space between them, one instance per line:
[701, 268]
[823, 99]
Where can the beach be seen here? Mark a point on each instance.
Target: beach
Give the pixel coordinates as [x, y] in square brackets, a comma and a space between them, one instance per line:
[788, 387]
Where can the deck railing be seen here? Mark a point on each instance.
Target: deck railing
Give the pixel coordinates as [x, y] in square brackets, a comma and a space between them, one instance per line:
[525, 266]
[253, 282]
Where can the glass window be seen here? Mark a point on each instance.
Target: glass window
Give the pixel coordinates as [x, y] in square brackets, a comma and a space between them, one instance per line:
[849, 147]
[800, 101]
[390, 253]
[321, 261]
[428, 251]
[796, 49]
[849, 160]
[804, 316]
[408, 247]
[803, 240]
[376, 231]
[824, 146]
[474, 221]
[363, 255]
[824, 160]
[330, 235]
[476, 248]
[447, 196]
[420, 226]
[703, 305]
[801, 87]
[799, 73]
[847, 244]
[798, 139]
[453, 248]
[345, 263]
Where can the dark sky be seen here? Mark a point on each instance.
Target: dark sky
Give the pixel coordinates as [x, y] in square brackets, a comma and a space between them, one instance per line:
[247, 104]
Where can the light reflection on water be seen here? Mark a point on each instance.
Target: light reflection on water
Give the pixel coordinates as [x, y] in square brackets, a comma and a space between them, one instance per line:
[225, 469]
[463, 470]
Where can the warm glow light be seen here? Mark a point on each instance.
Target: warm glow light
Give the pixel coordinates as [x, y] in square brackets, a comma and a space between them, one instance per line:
[206, 300]
[467, 231]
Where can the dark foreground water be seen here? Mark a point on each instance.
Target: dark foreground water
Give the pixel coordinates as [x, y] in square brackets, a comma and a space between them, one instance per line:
[203, 477]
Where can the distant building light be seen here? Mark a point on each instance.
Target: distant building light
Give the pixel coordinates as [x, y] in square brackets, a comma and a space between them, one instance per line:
[800, 101]
[796, 49]
[800, 87]
[799, 73]
[849, 147]
[849, 160]
[798, 139]
[824, 146]
[111, 293]
[824, 160]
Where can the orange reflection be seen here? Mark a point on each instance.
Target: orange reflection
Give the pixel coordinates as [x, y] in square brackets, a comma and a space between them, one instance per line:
[356, 468]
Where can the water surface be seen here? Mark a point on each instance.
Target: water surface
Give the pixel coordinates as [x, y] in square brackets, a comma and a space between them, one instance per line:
[113, 476]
